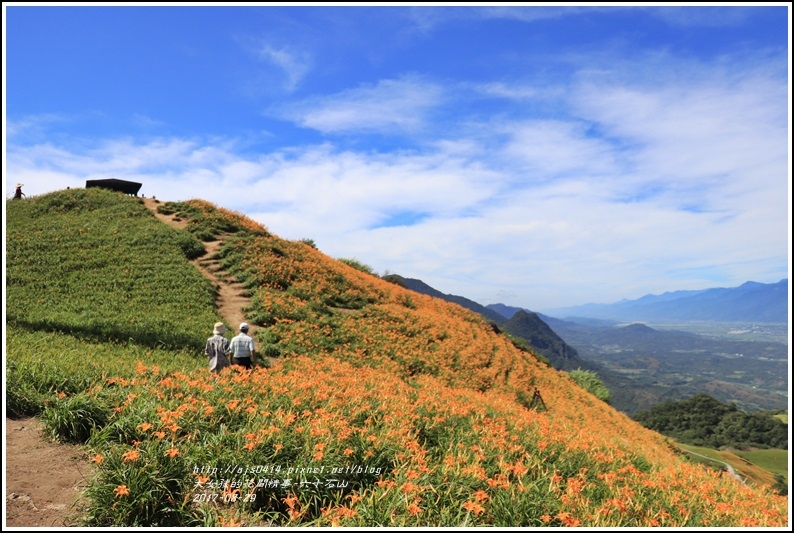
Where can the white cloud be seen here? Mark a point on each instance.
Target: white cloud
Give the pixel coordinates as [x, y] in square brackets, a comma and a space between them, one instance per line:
[641, 185]
[427, 18]
[550, 148]
[706, 143]
[390, 106]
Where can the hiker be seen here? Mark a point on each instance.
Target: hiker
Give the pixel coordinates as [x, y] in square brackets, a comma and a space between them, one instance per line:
[242, 348]
[18, 194]
[217, 348]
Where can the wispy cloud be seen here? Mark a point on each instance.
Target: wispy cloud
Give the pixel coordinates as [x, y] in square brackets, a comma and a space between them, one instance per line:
[427, 18]
[690, 16]
[549, 149]
[146, 122]
[389, 106]
[295, 64]
[26, 129]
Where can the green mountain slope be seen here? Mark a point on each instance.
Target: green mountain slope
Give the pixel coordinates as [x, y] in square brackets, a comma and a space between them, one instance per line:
[384, 407]
[539, 335]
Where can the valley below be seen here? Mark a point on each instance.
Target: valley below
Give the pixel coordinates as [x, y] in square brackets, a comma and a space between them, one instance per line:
[645, 365]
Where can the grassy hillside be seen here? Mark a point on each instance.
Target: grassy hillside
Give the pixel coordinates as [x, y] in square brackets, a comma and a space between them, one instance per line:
[384, 407]
[757, 466]
[774, 461]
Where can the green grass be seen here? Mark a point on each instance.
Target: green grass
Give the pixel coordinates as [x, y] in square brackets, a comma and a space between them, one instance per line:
[42, 365]
[94, 281]
[98, 265]
[716, 460]
[775, 461]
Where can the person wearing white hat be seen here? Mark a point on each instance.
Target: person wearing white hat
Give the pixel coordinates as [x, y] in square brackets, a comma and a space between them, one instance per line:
[242, 348]
[18, 194]
[217, 348]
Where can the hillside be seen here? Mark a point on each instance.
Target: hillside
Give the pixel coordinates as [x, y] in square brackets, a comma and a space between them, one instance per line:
[381, 406]
[751, 302]
[540, 336]
[527, 326]
[423, 288]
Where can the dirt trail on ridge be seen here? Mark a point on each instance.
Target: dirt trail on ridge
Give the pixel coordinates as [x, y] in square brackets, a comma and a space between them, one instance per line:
[232, 296]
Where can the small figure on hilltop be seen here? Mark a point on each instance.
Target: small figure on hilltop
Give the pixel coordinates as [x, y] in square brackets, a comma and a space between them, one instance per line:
[242, 347]
[18, 194]
[217, 349]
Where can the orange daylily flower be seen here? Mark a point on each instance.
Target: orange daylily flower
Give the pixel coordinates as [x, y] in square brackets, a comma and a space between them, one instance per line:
[132, 455]
[474, 507]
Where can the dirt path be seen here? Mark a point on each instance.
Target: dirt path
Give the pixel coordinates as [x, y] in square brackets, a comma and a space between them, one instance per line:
[232, 296]
[46, 478]
[728, 466]
[43, 486]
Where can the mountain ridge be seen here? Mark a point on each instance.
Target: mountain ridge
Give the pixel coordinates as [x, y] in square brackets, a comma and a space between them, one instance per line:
[750, 302]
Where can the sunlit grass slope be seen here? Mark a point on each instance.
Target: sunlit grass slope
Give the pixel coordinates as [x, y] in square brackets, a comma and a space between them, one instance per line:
[384, 407]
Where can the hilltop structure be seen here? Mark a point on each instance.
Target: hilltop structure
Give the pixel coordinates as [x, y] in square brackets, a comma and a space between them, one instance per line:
[127, 187]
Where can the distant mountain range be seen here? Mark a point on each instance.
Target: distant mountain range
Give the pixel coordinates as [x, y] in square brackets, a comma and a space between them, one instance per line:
[750, 302]
[643, 366]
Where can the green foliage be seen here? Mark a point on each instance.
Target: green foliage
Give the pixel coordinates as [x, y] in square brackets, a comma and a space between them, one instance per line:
[22, 400]
[309, 242]
[394, 278]
[772, 460]
[74, 418]
[358, 265]
[407, 301]
[202, 226]
[704, 421]
[42, 365]
[589, 381]
[780, 486]
[207, 223]
[271, 350]
[159, 490]
[524, 346]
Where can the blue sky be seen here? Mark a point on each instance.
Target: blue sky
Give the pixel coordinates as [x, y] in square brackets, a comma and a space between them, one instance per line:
[539, 157]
